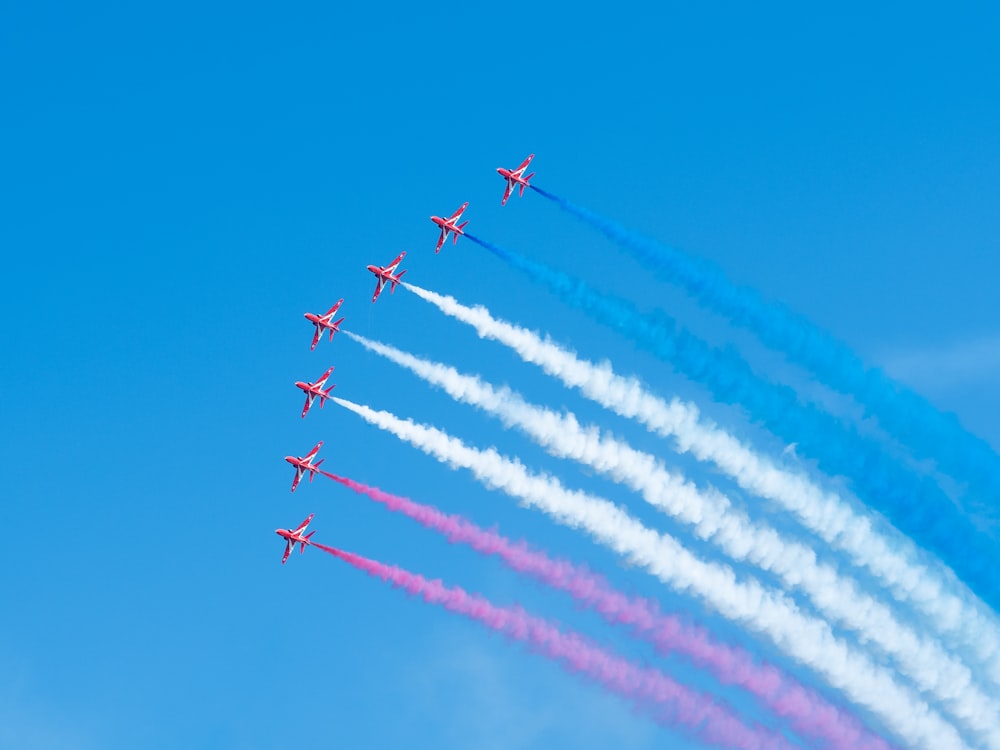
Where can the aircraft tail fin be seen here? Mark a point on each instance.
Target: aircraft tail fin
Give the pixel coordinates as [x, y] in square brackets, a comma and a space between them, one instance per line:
[306, 540]
[461, 227]
[312, 474]
[525, 183]
[326, 395]
[399, 277]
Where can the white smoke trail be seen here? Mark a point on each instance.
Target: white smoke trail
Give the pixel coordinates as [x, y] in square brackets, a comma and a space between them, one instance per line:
[715, 520]
[806, 639]
[956, 615]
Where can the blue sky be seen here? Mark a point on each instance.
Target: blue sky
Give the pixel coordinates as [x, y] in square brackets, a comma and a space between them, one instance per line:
[179, 184]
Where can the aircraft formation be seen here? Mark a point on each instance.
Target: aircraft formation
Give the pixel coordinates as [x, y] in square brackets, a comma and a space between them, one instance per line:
[885, 664]
[384, 275]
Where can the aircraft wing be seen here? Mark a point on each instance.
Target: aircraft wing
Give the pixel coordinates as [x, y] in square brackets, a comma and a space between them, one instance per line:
[298, 478]
[316, 336]
[524, 165]
[507, 192]
[332, 310]
[392, 266]
[302, 526]
[455, 216]
[309, 403]
[288, 551]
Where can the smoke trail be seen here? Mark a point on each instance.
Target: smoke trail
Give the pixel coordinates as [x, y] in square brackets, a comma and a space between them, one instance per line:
[715, 520]
[671, 703]
[809, 713]
[963, 620]
[806, 639]
[908, 416]
[915, 505]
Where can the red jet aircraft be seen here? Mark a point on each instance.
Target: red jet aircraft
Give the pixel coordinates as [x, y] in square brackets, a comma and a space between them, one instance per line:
[449, 225]
[303, 464]
[294, 536]
[322, 322]
[312, 390]
[384, 275]
[515, 176]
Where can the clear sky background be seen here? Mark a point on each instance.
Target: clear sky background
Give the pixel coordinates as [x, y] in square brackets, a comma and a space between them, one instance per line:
[180, 183]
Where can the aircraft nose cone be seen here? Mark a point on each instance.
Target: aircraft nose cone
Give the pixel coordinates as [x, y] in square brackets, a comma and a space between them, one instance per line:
[290, 459]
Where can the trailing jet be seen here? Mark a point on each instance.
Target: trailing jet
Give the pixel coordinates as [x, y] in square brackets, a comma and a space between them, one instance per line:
[304, 463]
[294, 536]
[322, 322]
[515, 176]
[449, 225]
[384, 275]
[312, 390]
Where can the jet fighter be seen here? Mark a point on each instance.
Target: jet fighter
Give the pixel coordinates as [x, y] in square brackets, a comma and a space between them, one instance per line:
[323, 322]
[304, 463]
[515, 176]
[312, 390]
[384, 275]
[294, 536]
[449, 225]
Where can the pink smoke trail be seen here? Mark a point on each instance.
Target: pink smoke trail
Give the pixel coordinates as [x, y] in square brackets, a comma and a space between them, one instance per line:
[808, 712]
[670, 703]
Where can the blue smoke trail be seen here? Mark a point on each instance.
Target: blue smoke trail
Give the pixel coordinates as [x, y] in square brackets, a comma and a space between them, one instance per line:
[908, 416]
[915, 505]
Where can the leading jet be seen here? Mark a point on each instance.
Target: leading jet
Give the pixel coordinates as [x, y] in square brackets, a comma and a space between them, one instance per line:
[515, 177]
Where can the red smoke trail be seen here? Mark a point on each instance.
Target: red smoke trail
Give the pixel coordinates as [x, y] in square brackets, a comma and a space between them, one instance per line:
[807, 711]
[670, 702]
